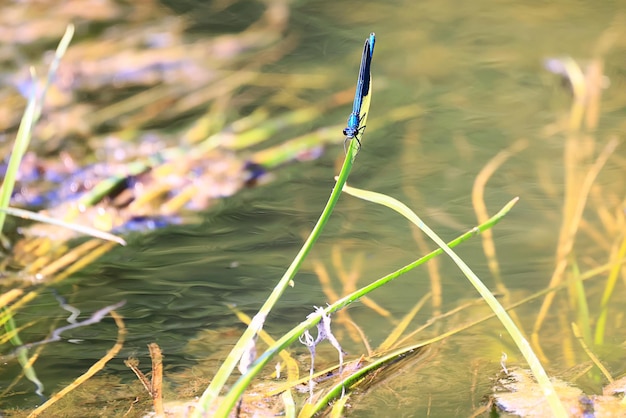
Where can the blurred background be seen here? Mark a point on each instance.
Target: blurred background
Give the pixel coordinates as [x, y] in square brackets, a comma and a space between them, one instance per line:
[454, 84]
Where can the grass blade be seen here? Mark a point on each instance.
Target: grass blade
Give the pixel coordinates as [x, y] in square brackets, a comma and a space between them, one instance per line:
[535, 365]
[212, 391]
[312, 320]
[25, 214]
[24, 132]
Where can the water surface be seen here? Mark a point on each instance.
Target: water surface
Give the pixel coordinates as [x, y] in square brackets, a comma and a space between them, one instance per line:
[474, 70]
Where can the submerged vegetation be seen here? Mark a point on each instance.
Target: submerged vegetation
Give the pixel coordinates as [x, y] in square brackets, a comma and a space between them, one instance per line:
[119, 187]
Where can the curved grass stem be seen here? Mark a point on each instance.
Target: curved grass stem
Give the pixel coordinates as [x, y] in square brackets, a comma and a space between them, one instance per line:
[549, 392]
[228, 402]
[211, 393]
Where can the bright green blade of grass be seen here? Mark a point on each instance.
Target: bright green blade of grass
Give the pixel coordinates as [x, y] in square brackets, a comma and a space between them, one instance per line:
[286, 340]
[19, 149]
[542, 378]
[206, 401]
[24, 132]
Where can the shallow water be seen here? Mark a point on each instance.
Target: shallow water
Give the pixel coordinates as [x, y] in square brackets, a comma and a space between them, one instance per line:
[475, 70]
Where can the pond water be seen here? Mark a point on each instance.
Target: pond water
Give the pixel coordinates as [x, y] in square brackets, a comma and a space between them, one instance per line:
[473, 72]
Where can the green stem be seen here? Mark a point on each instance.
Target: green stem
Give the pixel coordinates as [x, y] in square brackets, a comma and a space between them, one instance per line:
[212, 391]
[537, 369]
[238, 388]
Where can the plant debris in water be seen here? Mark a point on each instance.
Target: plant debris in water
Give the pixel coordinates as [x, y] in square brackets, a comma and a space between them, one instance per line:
[323, 333]
[517, 393]
[105, 154]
